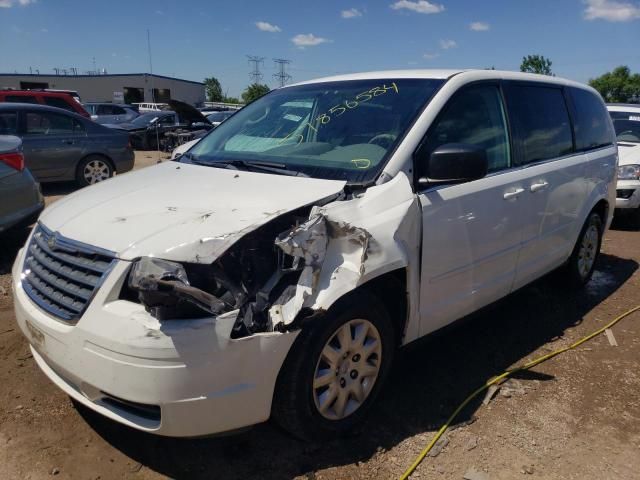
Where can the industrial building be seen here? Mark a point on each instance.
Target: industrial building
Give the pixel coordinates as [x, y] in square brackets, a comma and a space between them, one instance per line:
[117, 88]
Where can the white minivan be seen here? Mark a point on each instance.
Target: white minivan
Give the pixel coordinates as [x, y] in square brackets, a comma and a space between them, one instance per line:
[275, 268]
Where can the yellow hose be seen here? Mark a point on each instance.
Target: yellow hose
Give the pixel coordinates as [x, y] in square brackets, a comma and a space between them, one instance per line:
[500, 377]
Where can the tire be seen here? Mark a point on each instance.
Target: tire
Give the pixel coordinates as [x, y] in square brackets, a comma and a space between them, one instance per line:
[297, 404]
[93, 169]
[584, 257]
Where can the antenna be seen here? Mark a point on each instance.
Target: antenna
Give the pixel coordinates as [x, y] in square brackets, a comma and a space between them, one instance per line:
[281, 75]
[255, 75]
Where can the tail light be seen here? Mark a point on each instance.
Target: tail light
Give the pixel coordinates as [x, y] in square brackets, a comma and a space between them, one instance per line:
[14, 160]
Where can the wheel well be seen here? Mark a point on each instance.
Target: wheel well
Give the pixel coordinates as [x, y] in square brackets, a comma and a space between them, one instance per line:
[391, 289]
[602, 209]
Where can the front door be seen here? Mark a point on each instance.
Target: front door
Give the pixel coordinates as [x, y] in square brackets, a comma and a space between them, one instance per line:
[472, 231]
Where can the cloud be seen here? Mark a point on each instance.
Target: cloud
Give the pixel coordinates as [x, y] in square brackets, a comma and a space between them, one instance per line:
[351, 13]
[308, 40]
[44, 30]
[611, 10]
[159, 12]
[430, 56]
[267, 27]
[420, 6]
[479, 26]
[447, 44]
[11, 3]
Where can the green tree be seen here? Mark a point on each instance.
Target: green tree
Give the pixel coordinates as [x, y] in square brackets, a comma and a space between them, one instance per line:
[619, 86]
[254, 91]
[536, 64]
[231, 100]
[213, 88]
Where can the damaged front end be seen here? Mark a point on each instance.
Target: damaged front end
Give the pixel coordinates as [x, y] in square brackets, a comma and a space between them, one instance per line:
[260, 270]
[298, 263]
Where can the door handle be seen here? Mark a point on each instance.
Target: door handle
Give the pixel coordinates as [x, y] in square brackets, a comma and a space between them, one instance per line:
[541, 185]
[513, 193]
[68, 142]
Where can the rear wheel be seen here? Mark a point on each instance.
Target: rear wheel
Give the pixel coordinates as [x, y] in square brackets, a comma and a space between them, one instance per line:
[582, 262]
[93, 169]
[335, 369]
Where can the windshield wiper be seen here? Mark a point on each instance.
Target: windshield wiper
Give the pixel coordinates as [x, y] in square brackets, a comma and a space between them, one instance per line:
[249, 165]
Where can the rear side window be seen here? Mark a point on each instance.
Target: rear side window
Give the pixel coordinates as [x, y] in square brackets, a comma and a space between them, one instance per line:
[20, 99]
[474, 116]
[58, 102]
[8, 123]
[540, 120]
[47, 123]
[591, 120]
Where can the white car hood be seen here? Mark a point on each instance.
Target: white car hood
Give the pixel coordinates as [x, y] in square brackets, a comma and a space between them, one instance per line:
[628, 153]
[178, 211]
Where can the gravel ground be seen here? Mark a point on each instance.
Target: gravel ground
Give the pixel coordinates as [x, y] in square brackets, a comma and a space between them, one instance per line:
[574, 417]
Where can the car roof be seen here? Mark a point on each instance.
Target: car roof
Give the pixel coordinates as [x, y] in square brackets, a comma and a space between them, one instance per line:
[37, 107]
[108, 103]
[479, 74]
[27, 93]
[623, 107]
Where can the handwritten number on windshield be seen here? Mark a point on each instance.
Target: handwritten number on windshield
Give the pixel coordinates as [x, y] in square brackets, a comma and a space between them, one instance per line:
[339, 110]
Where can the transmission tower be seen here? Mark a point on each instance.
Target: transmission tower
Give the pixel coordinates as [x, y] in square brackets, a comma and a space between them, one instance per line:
[281, 75]
[255, 74]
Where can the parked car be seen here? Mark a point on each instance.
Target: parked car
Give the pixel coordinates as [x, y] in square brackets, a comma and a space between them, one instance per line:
[276, 267]
[626, 121]
[59, 145]
[148, 131]
[42, 97]
[181, 149]
[216, 118]
[111, 113]
[151, 107]
[21, 200]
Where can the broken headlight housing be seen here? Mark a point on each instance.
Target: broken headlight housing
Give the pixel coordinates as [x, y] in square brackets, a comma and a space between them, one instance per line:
[171, 290]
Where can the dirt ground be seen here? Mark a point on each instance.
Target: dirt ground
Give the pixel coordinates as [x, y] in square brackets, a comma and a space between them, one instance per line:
[574, 417]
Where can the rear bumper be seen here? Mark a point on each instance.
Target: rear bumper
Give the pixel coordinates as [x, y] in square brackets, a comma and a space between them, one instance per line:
[175, 378]
[125, 161]
[22, 200]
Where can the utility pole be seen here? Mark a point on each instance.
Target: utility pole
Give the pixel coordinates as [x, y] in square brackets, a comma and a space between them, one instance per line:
[281, 75]
[255, 74]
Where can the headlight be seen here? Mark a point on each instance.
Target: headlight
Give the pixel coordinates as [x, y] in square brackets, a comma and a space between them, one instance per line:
[629, 172]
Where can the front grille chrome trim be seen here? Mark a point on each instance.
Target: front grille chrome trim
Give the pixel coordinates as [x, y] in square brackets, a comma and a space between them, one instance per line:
[61, 276]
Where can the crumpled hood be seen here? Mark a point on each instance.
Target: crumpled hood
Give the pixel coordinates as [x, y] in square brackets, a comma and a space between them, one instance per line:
[628, 153]
[178, 211]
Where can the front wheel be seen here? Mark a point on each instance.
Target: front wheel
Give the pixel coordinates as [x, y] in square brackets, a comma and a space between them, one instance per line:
[582, 262]
[93, 169]
[335, 369]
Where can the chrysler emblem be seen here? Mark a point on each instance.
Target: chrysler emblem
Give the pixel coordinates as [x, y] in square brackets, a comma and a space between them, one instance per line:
[51, 242]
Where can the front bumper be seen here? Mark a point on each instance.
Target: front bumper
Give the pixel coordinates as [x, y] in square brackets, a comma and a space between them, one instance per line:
[628, 194]
[174, 378]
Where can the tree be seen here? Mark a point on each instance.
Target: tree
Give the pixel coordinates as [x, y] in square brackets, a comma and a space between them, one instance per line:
[254, 91]
[619, 86]
[230, 99]
[213, 88]
[536, 64]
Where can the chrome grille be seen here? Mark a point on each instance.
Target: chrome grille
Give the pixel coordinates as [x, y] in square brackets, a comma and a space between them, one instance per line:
[61, 275]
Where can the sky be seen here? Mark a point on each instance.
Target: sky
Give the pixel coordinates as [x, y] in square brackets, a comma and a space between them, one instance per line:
[194, 39]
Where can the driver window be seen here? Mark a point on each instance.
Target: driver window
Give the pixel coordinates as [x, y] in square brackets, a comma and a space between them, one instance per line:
[474, 116]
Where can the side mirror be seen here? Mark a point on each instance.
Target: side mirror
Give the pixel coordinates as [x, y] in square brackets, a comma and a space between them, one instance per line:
[454, 163]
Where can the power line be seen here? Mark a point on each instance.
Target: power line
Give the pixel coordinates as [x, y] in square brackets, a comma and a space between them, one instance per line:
[281, 75]
[255, 75]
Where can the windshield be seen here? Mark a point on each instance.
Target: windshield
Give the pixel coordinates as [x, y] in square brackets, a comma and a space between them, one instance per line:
[338, 130]
[627, 126]
[145, 119]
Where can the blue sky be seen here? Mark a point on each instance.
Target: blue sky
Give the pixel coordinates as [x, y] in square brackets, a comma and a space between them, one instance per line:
[193, 39]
